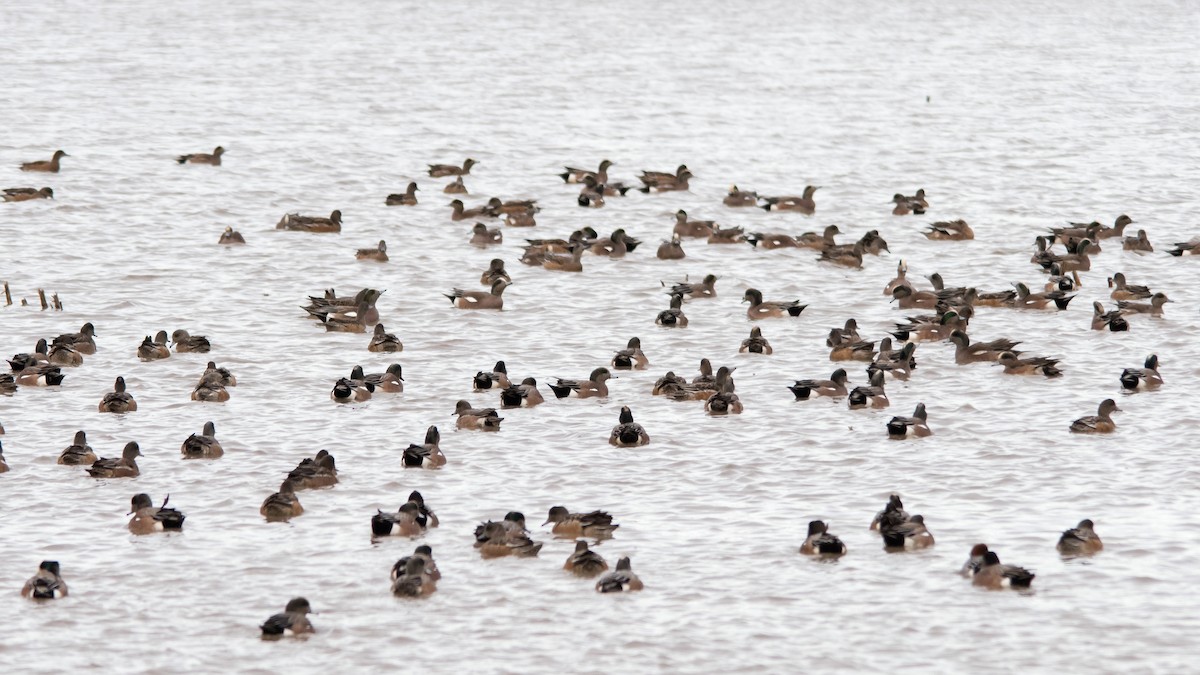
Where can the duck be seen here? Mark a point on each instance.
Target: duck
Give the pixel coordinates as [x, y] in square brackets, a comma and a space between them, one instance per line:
[1190, 247]
[705, 289]
[574, 175]
[482, 236]
[871, 395]
[899, 364]
[631, 358]
[949, 230]
[537, 247]
[614, 246]
[756, 343]
[673, 317]
[658, 181]
[974, 560]
[391, 380]
[63, 355]
[351, 320]
[298, 223]
[627, 433]
[46, 584]
[1027, 300]
[428, 455]
[150, 350]
[378, 253]
[8, 384]
[995, 575]
[905, 206]
[219, 375]
[46, 165]
[185, 342]
[819, 241]
[1100, 423]
[495, 540]
[691, 228]
[670, 250]
[1122, 290]
[125, 467]
[210, 389]
[907, 534]
[414, 583]
[314, 472]
[497, 378]
[148, 520]
[893, 511]
[424, 552]
[455, 187]
[769, 241]
[727, 235]
[595, 386]
[1080, 540]
[212, 159]
[1154, 308]
[1118, 228]
[820, 542]
[118, 400]
[83, 342]
[739, 198]
[620, 580]
[203, 445]
[724, 401]
[834, 387]
[480, 419]
[495, 272]
[1113, 320]
[349, 390]
[584, 562]
[1079, 261]
[443, 170]
[760, 309]
[492, 299]
[1132, 378]
[851, 257]
[384, 342]
[907, 298]
[3, 461]
[347, 308]
[281, 506]
[568, 525]
[40, 356]
[291, 622]
[1034, 365]
[803, 204]
[26, 194]
[78, 452]
[230, 236]
[402, 523]
[591, 195]
[406, 198]
[1140, 243]
[898, 427]
[966, 351]
[524, 394]
[458, 211]
[900, 280]
[559, 262]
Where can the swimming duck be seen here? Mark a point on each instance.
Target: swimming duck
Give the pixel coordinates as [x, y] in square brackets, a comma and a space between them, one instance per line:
[1080, 540]
[230, 237]
[951, 230]
[26, 194]
[756, 343]
[846, 335]
[351, 320]
[1131, 378]
[78, 452]
[819, 242]
[673, 317]
[834, 387]
[39, 357]
[118, 400]
[572, 261]
[443, 170]
[906, 205]
[46, 166]
[631, 358]
[1126, 291]
[907, 534]
[670, 250]
[482, 236]
[125, 467]
[727, 235]
[724, 401]
[330, 303]
[591, 195]
[148, 520]
[538, 247]
[574, 175]
[1027, 300]
[150, 350]
[614, 246]
[737, 198]
[900, 280]
[974, 560]
[378, 253]
[423, 552]
[898, 426]
[966, 351]
[383, 341]
[1140, 243]
[190, 343]
[1112, 320]
[620, 580]
[219, 375]
[298, 223]
[455, 187]
[893, 511]
[494, 273]
[705, 289]
[871, 243]
[584, 562]
[63, 355]
[1190, 247]
[478, 299]
[770, 309]
[391, 380]
[1100, 423]
[1117, 229]
[8, 384]
[803, 204]
[292, 621]
[1034, 365]
[83, 342]
[567, 525]
[283, 505]
[1153, 308]
[497, 378]
[495, 540]
[203, 445]
[820, 542]
[899, 364]
[314, 472]
[349, 390]
[522, 219]
[1080, 260]
[3, 461]
[458, 211]
[402, 523]
[871, 394]
[691, 228]
[993, 574]
[210, 389]
[480, 419]
[428, 455]
[595, 386]
[406, 198]
[769, 241]
[627, 433]
[907, 298]
[658, 181]
[213, 159]
[851, 257]
[523, 394]
[46, 584]
[414, 583]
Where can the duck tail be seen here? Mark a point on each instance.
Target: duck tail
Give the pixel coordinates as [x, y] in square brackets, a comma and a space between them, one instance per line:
[560, 391]
[795, 308]
[182, 159]
[802, 392]
[1062, 303]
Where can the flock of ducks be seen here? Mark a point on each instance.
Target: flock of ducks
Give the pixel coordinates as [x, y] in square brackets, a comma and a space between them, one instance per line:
[949, 311]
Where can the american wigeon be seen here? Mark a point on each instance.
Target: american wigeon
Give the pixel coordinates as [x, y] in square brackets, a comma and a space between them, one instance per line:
[1079, 261]
[941, 329]
[383, 341]
[1190, 247]
[1028, 300]
[898, 427]
[591, 195]
[521, 219]
[949, 230]
[414, 583]
[123, 467]
[482, 236]
[314, 472]
[907, 298]
[615, 245]
[620, 580]
[574, 175]
[852, 257]
[901, 279]
[147, 519]
[820, 542]
[479, 299]
[1153, 308]
[893, 511]
[46, 584]
[230, 237]
[725, 401]
[443, 170]
[500, 539]
[184, 342]
[1033, 365]
[494, 273]
[39, 356]
[402, 523]
[459, 211]
[704, 289]
[210, 389]
[46, 165]
[568, 525]
[423, 552]
[1080, 540]
[352, 319]
[1140, 243]
[906, 205]
[62, 354]
[995, 575]
[220, 375]
[1122, 290]
[203, 445]
[802, 204]
[584, 562]
[320, 307]
[1132, 378]
[739, 198]
[673, 316]
[1100, 423]
[966, 351]
[1113, 320]
[524, 394]
[974, 560]
[1118, 228]
[78, 452]
[595, 386]
[83, 342]
[572, 261]
[455, 187]
[871, 394]
[536, 248]
[756, 343]
[898, 364]
[150, 350]
[691, 228]
[727, 235]
[627, 433]
[760, 309]
[292, 621]
[378, 253]
[26, 194]
[631, 358]
[819, 240]
[3, 461]
[349, 390]
[660, 181]
[427, 455]
[834, 387]
[906, 534]
[118, 400]
[391, 380]
[406, 198]
[283, 505]
[670, 250]
[8, 384]
[496, 378]
[317, 224]
[479, 419]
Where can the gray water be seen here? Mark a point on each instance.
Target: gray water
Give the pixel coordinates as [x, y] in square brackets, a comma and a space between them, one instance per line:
[1013, 116]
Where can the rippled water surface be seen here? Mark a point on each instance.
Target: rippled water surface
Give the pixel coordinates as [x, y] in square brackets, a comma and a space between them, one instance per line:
[1013, 116]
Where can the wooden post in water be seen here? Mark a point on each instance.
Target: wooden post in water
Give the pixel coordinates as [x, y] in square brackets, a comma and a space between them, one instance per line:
[7, 295]
[42, 298]
[56, 302]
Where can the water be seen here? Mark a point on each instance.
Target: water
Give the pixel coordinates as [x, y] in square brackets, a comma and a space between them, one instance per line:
[1035, 115]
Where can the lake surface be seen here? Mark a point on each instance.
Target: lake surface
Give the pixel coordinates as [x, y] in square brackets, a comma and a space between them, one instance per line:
[1014, 117]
